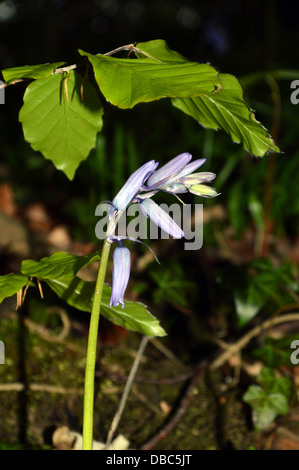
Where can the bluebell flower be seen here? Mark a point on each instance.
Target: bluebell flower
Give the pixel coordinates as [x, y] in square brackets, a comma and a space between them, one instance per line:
[133, 185]
[167, 171]
[160, 217]
[120, 275]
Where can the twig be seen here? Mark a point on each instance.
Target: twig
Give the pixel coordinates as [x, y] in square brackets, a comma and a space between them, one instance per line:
[128, 47]
[164, 350]
[234, 348]
[19, 386]
[68, 67]
[144, 399]
[43, 332]
[126, 391]
[4, 85]
[149, 380]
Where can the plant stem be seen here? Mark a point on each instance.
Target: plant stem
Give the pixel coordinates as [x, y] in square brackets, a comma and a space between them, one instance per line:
[92, 349]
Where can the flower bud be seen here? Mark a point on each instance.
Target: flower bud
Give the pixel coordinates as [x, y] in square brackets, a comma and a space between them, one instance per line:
[166, 172]
[120, 275]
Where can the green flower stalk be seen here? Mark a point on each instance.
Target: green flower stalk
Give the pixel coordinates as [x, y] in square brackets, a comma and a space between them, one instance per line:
[175, 177]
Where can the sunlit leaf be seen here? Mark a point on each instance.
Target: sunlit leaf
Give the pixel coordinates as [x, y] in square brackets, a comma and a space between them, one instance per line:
[134, 316]
[58, 123]
[265, 407]
[29, 71]
[269, 399]
[247, 305]
[60, 265]
[126, 82]
[227, 110]
[10, 284]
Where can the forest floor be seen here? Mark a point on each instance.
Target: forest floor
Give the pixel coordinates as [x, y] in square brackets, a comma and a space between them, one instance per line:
[174, 404]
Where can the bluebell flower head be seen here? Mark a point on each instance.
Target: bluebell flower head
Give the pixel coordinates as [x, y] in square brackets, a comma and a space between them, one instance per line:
[120, 275]
[177, 176]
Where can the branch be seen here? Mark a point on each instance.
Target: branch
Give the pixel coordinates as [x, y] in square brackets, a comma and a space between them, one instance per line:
[126, 391]
[232, 349]
[19, 386]
[4, 85]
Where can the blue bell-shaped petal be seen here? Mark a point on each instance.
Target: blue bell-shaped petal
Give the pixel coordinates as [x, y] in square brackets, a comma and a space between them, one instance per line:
[192, 166]
[168, 171]
[129, 190]
[198, 178]
[120, 275]
[160, 218]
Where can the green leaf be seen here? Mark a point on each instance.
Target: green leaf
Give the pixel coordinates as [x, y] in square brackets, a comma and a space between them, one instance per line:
[172, 288]
[74, 291]
[134, 316]
[126, 82]
[248, 304]
[60, 265]
[255, 396]
[265, 407]
[10, 284]
[275, 352]
[29, 71]
[226, 109]
[58, 123]
[269, 399]
[279, 403]
[272, 384]
[261, 284]
[157, 49]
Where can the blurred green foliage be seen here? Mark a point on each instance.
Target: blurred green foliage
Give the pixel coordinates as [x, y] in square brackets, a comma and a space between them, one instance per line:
[270, 398]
